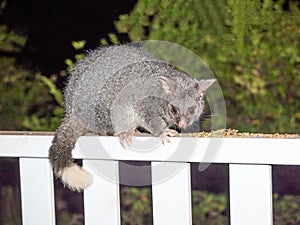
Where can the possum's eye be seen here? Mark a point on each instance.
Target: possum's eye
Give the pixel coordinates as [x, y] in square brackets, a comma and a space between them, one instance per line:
[174, 110]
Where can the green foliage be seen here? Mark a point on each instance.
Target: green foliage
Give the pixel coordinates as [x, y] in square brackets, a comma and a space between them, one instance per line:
[286, 209]
[70, 219]
[78, 46]
[113, 39]
[57, 94]
[253, 47]
[38, 121]
[27, 99]
[209, 208]
[136, 206]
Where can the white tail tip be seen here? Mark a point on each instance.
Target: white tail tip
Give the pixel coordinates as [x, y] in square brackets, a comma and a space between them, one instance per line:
[75, 177]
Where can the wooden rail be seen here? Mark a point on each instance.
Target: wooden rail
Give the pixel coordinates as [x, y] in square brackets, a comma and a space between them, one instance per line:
[250, 161]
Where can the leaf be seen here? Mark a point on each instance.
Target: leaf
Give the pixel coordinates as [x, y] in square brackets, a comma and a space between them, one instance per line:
[78, 44]
[57, 94]
[69, 63]
[113, 38]
[79, 57]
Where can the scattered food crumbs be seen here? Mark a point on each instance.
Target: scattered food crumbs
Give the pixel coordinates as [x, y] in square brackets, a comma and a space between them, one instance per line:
[232, 133]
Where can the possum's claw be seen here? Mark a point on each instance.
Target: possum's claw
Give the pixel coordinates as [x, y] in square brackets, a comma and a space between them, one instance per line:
[125, 140]
[166, 134]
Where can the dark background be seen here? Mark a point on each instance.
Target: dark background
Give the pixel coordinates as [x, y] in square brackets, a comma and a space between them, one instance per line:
[52, 25]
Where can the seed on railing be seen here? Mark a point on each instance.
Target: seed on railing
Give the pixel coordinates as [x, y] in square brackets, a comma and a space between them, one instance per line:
[232, 133]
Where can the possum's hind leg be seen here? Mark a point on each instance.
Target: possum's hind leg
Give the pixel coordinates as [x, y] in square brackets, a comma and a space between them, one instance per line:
[60, 154]
[124, 123]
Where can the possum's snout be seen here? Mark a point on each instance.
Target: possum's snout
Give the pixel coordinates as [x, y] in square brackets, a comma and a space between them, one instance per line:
[182, 123]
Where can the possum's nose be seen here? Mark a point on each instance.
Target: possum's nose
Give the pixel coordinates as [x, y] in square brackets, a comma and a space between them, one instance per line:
[182, 122]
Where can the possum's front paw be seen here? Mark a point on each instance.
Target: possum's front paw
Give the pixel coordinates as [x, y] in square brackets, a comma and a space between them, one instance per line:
[125, 139]
[166, 134]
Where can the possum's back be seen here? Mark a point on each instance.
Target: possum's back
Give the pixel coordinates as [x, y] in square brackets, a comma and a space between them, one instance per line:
[91, 73]
[89, 76]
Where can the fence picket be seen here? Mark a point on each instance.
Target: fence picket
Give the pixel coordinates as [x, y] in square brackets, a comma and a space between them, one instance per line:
[250, 178]
[171, 196]
[250, 194]
[37, 192]
[101, 199]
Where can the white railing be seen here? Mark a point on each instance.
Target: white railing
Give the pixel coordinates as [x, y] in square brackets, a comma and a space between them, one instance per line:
[250, 161]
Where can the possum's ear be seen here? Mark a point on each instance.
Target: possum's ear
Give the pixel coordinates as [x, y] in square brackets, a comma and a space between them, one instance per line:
[205, 84]
[199, 87]
[167, 84]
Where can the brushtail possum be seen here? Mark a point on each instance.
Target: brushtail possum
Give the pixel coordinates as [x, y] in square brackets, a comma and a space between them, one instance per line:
[114, 90]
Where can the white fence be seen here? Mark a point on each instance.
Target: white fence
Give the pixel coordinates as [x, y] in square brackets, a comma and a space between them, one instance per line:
[250, 161]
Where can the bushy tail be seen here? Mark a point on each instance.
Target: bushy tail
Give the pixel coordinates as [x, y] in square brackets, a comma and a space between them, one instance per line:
[60, 153]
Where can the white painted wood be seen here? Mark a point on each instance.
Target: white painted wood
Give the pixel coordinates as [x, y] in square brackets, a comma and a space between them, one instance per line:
[231, 150]
[250, 195]
[37, 192]
[171, 194]
[250, 183]
[24, 145]
[101, 199]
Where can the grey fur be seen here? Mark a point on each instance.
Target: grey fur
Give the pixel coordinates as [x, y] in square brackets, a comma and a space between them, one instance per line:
[116, 89]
